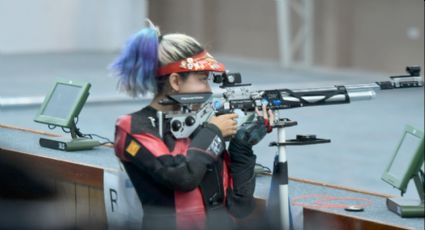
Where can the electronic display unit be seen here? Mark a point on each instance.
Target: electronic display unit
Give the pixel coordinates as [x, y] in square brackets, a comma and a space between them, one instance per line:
[63, 103]
[60, 108]
[405, 165]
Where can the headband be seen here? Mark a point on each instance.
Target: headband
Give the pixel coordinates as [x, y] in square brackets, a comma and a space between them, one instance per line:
[197, 63]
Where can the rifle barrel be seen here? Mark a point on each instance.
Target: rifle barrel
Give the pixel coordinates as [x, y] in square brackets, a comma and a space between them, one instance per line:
[355, 87]
[361, 95]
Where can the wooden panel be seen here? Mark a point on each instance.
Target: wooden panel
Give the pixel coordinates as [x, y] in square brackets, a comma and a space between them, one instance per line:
[53, 168]
[97, 209]
[80, 206]
[318, 219]
[79, 188]
[82, 202]
[66, 205]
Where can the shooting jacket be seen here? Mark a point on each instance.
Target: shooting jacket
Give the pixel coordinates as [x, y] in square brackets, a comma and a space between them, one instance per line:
[192, 183]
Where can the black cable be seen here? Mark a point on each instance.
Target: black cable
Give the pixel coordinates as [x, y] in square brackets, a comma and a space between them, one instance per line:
[91, 135]
[80, 134]
[100, 137]
[107, 141]
[65, 131]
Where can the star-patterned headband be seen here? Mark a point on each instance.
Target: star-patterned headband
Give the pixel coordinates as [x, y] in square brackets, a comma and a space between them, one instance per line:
[197, 63]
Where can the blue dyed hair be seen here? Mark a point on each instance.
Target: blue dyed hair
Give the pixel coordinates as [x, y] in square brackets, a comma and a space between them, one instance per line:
[137, 64]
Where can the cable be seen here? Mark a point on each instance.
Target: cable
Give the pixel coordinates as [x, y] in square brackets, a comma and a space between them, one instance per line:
[80, 134]
[65, 131]
[107, 141]
[91, 135]
[262, 170]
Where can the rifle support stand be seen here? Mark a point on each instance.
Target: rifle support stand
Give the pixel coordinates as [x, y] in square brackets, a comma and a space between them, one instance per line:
[278, 202]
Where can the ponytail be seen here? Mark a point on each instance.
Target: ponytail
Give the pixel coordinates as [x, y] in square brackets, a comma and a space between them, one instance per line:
[136, 66]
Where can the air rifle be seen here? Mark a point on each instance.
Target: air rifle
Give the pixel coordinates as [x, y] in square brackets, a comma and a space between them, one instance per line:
[197, 108]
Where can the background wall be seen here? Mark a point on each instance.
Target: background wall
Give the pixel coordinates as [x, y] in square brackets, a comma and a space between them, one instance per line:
[67, 25]
[244, 28]
[387, 34]
[378, 35]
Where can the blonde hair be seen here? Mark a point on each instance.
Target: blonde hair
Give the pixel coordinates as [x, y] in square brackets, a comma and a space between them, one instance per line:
[175, 47]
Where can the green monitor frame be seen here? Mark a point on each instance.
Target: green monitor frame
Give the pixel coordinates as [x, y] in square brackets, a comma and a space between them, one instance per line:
[406, 164]
[60, 108]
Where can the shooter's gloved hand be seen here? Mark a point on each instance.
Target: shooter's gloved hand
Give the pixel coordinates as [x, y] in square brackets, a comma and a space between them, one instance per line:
[251, 132]
[240, 200]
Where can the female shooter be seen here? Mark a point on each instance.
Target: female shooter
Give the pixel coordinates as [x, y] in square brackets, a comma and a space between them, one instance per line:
[190, 183]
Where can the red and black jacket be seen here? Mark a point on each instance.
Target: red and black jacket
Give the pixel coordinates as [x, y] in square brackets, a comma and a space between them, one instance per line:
[191, 183]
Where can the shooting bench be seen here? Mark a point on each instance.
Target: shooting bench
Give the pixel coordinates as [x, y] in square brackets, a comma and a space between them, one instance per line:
[79, 178]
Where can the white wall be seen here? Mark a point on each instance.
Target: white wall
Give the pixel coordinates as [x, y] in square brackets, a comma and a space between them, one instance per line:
[33, 26]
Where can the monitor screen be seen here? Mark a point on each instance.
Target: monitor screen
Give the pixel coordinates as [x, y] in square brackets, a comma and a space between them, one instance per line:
[407, 159]
[62, 100]
[405, 155]
[63, 103]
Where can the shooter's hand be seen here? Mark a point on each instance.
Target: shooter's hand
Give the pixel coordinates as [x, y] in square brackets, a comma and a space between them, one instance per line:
[226, 123]
[268, 117]
[254, 131]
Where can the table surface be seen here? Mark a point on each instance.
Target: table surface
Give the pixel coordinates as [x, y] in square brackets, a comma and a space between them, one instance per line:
[26, 142]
